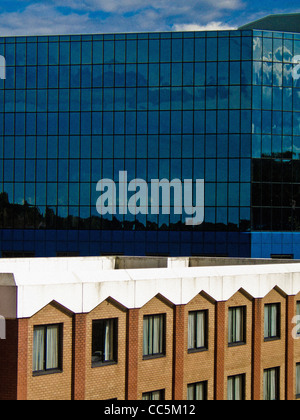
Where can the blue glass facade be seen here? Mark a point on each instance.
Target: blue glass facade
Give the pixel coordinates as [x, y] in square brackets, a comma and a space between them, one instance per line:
[275, 144]
[219, 106]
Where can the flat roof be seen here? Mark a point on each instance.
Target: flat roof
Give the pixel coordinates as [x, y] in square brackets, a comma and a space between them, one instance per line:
[116, 262]
[285, 22]
[80, 284]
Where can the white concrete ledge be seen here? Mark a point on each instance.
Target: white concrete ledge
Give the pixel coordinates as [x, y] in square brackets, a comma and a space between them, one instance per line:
[81, 284]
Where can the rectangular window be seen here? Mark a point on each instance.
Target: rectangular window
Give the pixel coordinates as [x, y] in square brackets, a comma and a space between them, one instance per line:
[236, 325]
[271, 384]
[46, 355]
[154, 335]
[197, 330]
[154, 395]
[236, 388]
[272, 321]
[104, 341]
[197, 391]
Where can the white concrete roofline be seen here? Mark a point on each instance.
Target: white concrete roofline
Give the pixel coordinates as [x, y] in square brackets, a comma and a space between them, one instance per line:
[81, 284]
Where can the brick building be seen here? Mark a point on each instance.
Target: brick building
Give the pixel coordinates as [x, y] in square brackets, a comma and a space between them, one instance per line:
[149, 328]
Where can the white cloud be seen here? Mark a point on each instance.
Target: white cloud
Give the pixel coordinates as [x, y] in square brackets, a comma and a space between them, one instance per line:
[212, 26]
[176, 9]
[109, 6]
[100, 16]
[38, 19]
[121, 6]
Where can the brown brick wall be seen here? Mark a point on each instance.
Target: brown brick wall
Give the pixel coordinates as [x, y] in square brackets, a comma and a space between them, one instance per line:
[219, 385]
[238, 357]
[199, 366]
[106, 382]
[257, 339]
[22, 359]
[155, 374]
[132, 351]
[133, 374]
[55, 386]
[179, 352]
[273, 352]
[79, 357]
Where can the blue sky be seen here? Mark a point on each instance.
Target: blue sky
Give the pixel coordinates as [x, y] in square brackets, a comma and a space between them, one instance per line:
[32, 17]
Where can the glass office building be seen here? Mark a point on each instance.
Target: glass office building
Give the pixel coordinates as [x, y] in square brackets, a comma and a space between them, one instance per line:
[223, 107]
